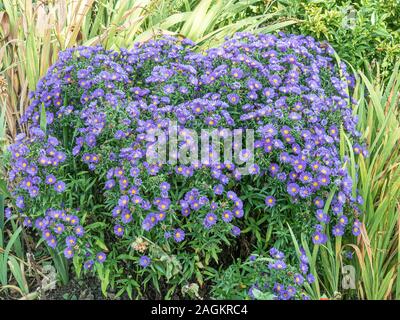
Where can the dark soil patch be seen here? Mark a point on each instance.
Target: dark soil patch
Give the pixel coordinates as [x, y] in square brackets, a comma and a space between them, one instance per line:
[82, 289]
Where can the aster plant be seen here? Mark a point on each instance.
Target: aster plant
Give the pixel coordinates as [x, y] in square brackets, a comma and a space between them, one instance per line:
[81, 177]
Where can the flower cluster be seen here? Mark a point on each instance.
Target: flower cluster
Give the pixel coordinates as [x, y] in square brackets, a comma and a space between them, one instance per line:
[268, 276]
[281, 281]
[34, 167]
[96, 114]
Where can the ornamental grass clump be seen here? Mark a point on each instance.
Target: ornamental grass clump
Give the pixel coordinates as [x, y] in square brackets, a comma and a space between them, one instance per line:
[84, 180]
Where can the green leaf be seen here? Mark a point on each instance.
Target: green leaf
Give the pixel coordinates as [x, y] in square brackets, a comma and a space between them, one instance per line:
[43, 119]
[18, 273]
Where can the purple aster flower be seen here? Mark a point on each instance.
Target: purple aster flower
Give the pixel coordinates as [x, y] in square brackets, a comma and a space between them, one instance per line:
[269, 131]
[7, 213]
[276, 254]
[343, 220]
[133, 191]
[118, 172]
[137, 199]
[126, 216]
[88, 265]
[254, 169]
[231, 195]
[68, 252]
[50, 179]
[300, 166]
[149, 222]
[118, 230]
[306, 177]
[245, 155]
[59, 186]
[123, 183]
[298, 279]
[233, 98]
[310, 278]
[27, 184]
[167, 235]
[304, 268]
[284, 295]
[134, 172]
[291, 291]
[27, 222]
[123, 201]
[144, 261]
[227, 216]
[238, 203]
[235, 231]
[210, 220]
[319, 202]
[237, 73]
[322, 216]
[83, 73]
[70, 241]
[169, 89]
[356, 231]
[165, 186]
[293, 189]
[46, 234]
[185, 211]
[52, 242]
[20, 202]
[74, 220]
[109, 184]
[116, 211]
[32, 170]
[323, 180]
[270, 201]
[238, 212]
[251, 291]
[179, 235]
[303, 256]
[60, 156]
[281, 176]
[269, 93]
[79, 231]
[101, 257]
[160, 216]
[279, 265]
[33, 192]
[274, 169]
[59, 228]
[319, 238]
[22, 164]
[275, 80]
[40, 224]
[213, 206]
[218, 189]
[164, 204]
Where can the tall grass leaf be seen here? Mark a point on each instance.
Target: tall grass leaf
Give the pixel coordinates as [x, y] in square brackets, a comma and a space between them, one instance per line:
[277, 26]
[2, 217]
[43, 119]
[5, 254]
[61, 265]
[18, 272]
[195, 20]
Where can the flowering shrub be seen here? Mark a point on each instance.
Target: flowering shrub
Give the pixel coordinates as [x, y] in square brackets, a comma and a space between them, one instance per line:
[84, 180]
[264, 278]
